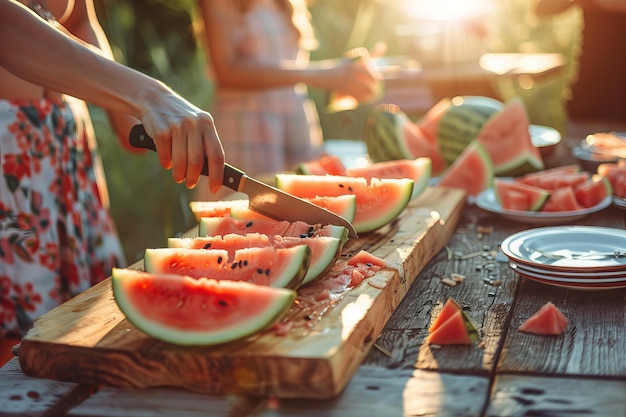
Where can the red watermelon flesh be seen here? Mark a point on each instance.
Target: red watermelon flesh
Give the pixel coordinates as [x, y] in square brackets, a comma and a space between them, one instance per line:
[451, 332]
[449, 308]
[326, 164]
[592, 191]
[419, 145]
[513, 195]
[616, 174]
[532, 177]
[284, 267]
[429, 122]
[212, 226]
[554, 181]
[506, 138]
[562, 199]
[549, 320]
[324, 249]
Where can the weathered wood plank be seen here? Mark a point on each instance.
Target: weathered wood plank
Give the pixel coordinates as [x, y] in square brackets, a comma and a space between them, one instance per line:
[519, 396]
[372, 392]
[32, 397]
[88, 339]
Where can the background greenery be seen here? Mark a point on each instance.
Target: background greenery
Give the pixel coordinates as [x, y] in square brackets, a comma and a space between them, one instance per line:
[155, 37]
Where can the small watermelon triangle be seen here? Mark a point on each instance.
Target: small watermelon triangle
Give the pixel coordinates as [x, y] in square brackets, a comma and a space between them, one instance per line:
[452, 326]
[548, 320]
[449, 308]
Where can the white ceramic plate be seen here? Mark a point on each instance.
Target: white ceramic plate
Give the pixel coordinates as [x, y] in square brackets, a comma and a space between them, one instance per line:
[568, 248]
[600, 284]
[581, 277]
[487, 201]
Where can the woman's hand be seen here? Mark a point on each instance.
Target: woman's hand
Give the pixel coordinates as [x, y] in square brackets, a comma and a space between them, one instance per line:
[183, 135]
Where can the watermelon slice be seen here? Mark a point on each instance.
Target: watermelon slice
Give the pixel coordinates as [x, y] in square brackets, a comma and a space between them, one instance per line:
[548, 320]
[326, 164]
[215, 226]
[419, 170]
[506, 137]
[215, 208]
[593, 191]
[284, 267]
[429, 122]
[562, 199]
[452, 326]
[189, 311]
[472, 171]
[533, 178]
[514, 195]
[378, 201]
[324, 249]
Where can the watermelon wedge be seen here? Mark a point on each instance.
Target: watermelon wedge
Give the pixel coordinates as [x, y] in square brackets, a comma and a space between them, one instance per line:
[548, 320]
[472, 171]
[188, 311]
[452, 326]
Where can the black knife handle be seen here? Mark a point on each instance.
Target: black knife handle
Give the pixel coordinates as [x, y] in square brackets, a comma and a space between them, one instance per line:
[140, 139]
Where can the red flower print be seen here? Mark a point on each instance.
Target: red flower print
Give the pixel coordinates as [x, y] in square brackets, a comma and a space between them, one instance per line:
[17, 165]
[26, 296]
[50, 256]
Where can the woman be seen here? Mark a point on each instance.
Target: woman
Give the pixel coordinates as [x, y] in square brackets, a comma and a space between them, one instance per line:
[258, 57]
[56, 234]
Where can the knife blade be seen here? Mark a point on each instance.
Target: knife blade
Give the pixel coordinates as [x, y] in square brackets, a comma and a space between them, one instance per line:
[262, 198]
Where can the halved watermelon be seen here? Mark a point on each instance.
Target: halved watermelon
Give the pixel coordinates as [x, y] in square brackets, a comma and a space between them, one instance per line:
[472, 171]
[513, 195]
[391, 135]
[213, 226]
[378, 201]
[548, 320]
[188, 311]
[419, 170]
[324, 249]
[284, 268]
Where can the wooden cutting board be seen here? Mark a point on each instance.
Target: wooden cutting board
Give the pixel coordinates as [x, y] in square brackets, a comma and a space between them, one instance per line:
[88, 339]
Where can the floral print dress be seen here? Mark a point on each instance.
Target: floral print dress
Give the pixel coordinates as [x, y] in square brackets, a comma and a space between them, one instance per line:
[56, 234]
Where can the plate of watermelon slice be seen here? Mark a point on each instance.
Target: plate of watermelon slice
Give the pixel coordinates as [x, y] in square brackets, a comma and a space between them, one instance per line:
[488, 201]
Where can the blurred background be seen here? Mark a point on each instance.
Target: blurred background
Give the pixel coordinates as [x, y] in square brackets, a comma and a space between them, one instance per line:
[443, 38]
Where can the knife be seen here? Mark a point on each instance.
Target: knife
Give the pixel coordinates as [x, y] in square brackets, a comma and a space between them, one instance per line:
[263, 198]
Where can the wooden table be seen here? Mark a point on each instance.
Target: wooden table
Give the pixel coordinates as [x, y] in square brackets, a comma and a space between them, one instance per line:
[508, 373]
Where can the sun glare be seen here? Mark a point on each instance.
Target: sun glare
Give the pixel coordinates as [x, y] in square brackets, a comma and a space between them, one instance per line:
[447, 9]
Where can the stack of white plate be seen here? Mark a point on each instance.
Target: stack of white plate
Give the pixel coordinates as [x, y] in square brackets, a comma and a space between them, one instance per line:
[583, 257]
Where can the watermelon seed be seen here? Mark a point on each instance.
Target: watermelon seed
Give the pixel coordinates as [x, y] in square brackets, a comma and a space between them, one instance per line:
[240, 263]
[219, 260]
[259, 271]
[222, 303]
[249, 224]
[233, 265]
[267, 271]
[207, 246]
[245, 263]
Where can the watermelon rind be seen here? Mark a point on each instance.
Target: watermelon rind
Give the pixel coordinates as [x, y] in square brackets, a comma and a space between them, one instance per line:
[461, 123]
[286, 275]
[165, 300]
